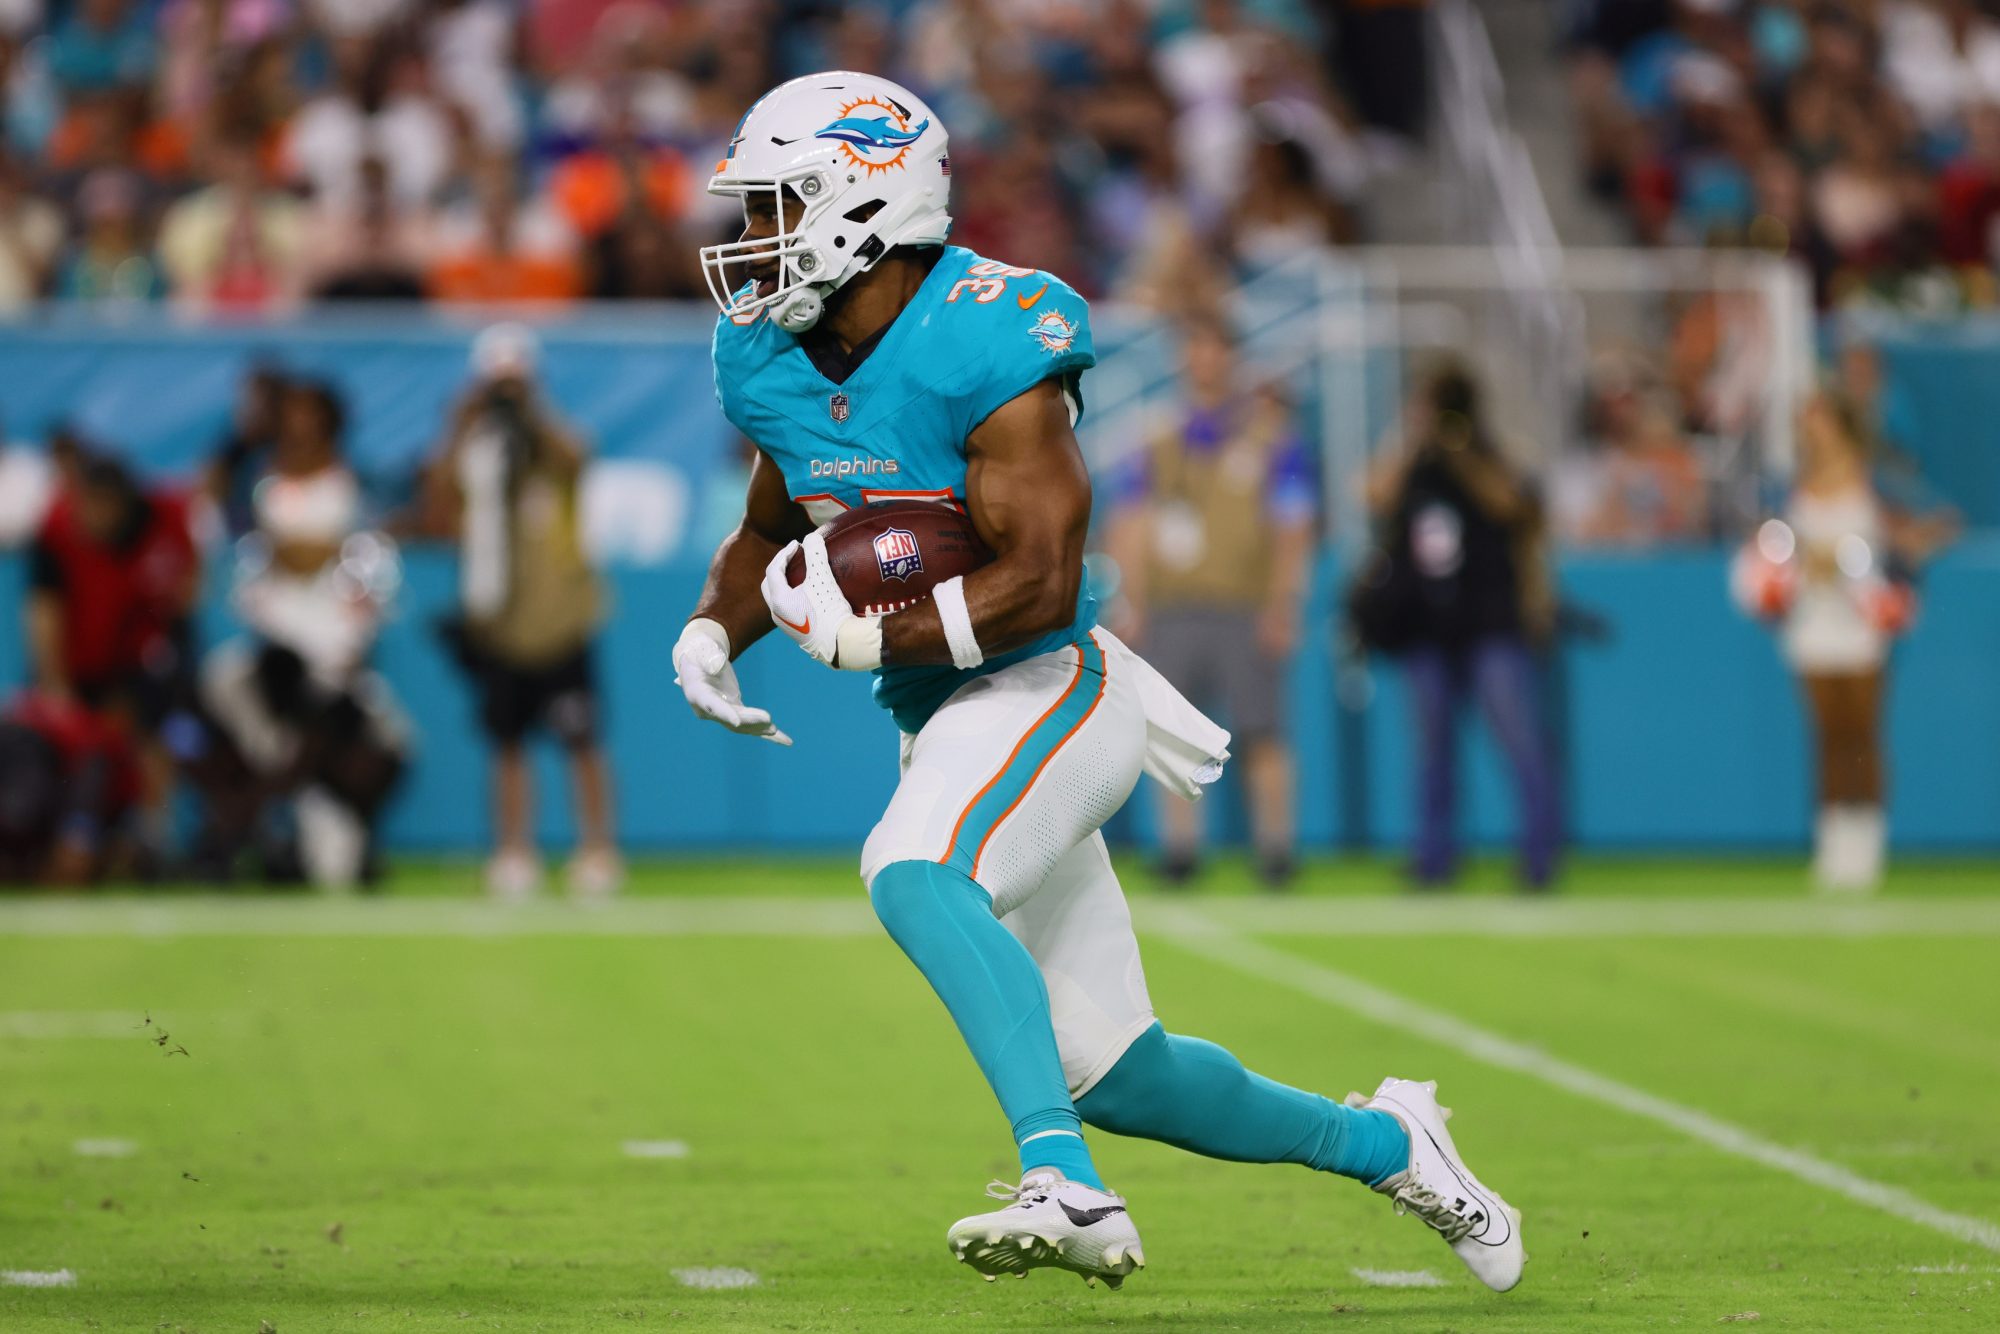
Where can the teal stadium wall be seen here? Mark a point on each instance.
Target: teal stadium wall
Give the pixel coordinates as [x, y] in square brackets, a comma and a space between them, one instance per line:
[1682, 732]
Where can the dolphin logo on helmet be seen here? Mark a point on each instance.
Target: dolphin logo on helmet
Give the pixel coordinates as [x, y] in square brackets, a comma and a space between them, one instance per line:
[872, 132]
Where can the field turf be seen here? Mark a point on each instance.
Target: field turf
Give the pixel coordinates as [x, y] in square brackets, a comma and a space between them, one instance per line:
[1720, 1102]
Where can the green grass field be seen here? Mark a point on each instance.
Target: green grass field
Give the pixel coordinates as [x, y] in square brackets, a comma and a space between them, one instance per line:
[1717, 1099]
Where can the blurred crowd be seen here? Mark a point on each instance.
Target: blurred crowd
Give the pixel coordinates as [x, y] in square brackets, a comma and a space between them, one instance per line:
[242, 155]
[1860, 136]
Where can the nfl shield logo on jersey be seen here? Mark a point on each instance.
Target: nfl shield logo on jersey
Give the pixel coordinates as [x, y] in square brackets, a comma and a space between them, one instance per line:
[838, 405]
[896, 552]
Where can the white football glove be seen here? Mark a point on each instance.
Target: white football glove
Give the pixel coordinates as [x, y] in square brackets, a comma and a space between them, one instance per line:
[816, 614]
[703, 672]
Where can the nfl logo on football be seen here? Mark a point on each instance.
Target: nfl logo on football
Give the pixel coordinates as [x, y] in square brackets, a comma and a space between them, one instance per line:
[838, 405]
[896, 553]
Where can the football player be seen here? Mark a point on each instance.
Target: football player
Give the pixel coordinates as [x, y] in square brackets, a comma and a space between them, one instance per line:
[870, 360]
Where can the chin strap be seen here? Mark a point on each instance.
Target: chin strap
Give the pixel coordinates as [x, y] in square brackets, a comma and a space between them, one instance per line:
[800, 311]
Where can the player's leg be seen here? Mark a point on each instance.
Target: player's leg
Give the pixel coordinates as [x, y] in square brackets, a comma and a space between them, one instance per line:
[960, 845]
[1008, 775]
[1131, 1077]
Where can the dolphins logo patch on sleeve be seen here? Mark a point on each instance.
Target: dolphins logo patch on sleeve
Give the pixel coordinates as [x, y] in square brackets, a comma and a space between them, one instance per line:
[1053, 332]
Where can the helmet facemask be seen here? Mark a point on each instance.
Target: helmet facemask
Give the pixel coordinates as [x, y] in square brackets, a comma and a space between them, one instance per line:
[806, 275]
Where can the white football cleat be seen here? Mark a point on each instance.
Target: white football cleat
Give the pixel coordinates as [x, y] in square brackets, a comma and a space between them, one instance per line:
[1483, 1229]
[1052, 1222]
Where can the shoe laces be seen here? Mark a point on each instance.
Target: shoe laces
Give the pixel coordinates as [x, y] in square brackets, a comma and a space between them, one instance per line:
[1032, 1191]
[1413, 1197]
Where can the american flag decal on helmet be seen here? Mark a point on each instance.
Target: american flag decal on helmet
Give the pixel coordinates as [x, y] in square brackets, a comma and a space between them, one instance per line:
[944, 165]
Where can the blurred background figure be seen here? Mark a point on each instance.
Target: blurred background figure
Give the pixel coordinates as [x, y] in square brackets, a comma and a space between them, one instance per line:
[243, 455]
[1836, 574]
[305, 742]
[112, 581]
[69, 783]
[504, 485]
[1461, 591]
[1213, 532]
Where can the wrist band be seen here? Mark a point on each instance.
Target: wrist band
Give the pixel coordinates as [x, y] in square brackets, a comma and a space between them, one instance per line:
[950, 599]
[857, 645]
[710, 629]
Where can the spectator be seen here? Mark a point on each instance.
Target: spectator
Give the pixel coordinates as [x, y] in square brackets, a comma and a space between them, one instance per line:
[110, 263]
[501, 248]
[379, 109]
[111, 587]
[1968, 199]
[366, 249]
[294, 714]
[1281, 213]
[1465, 601]
[103, 46]
[234, 245]
[1214, 537]
[1645, 487]
[504, 485]
[31, 235]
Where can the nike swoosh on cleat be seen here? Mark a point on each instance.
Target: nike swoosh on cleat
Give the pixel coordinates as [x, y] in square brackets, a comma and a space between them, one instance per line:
[1027, 301]
[1085, 1217]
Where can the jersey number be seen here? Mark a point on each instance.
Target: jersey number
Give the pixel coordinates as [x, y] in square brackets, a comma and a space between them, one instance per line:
[988, 280]
[988, 289]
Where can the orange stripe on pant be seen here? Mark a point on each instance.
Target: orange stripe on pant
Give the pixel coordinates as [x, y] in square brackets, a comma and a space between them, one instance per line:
[1076, 680]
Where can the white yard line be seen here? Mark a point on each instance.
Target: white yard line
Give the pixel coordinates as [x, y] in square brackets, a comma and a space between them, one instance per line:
[716, 1277]
[1200, 935]
[1398, 1278]
[37, 1278]
[654, 1148]
[839, 916]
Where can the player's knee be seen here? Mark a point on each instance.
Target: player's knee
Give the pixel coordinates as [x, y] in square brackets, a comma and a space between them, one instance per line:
[908, 894]
[1128, 1098]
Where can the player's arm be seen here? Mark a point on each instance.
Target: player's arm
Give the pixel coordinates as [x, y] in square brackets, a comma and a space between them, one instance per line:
[732, 614]
[1029, 497]
[771, 520]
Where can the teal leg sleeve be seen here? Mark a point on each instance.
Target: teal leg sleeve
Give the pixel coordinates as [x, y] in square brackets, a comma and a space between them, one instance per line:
[1196, 1096]
[987, 979]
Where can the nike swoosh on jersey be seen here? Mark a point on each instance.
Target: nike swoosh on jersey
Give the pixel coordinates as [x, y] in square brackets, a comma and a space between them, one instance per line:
[1085, 1217]
[1027, 301]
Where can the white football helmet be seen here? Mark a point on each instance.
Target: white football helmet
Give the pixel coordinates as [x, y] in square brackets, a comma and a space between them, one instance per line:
[866, 160]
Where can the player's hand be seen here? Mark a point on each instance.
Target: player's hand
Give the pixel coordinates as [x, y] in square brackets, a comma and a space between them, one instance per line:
[814, 612]
[702, 671]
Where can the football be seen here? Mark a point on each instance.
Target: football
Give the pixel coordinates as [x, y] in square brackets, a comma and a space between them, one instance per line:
[891, 554]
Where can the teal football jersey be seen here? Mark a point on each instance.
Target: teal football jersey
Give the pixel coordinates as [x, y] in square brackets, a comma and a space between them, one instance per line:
[976, 334]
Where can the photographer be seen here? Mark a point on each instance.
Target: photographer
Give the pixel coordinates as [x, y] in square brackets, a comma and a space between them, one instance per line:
[504, 486]
[1460, 591]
